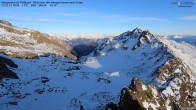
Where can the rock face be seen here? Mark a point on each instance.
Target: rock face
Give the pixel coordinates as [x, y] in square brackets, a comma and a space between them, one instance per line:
[26, 43]
[5, 72]
[176, 81]
[140, 96]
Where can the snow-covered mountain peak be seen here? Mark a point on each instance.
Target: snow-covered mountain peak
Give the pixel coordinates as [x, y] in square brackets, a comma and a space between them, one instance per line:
[154, 60]
[129, 40]
[134, 33]
[146, 36]
[137, 30]
[137, 34]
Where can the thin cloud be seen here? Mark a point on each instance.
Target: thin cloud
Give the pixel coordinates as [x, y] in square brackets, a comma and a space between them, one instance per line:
[113, 16]
[90, 14]
[70, 14]
[14, 17]
[26, 23]
[147, 19]
[123, 18]
[190, 18]
[59, 20]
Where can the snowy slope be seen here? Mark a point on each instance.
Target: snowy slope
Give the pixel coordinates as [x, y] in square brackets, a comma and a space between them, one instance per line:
[137, 52]
[88, 87]
[183, 51]
[59, 83]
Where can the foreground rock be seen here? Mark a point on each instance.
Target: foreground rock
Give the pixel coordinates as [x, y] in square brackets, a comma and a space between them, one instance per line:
[139, 96]
[5, 72]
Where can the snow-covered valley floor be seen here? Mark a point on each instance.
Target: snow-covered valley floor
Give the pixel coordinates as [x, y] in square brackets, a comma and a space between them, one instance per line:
[56, 83]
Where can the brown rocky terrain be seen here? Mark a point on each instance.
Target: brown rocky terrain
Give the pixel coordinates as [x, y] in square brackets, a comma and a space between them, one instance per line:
[26, 43]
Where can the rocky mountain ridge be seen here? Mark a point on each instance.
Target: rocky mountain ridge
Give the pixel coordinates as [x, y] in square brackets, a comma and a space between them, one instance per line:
[18, 42]
[175, 79]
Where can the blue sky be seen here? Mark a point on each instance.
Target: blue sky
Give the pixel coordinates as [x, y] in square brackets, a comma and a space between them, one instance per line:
[106, 16]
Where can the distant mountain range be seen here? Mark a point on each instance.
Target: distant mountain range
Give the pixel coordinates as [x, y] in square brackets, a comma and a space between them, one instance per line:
[134, 70]
[81, 44]
[188, 39]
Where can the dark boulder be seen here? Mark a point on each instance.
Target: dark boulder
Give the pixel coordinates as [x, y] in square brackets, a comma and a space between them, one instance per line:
[5, 72]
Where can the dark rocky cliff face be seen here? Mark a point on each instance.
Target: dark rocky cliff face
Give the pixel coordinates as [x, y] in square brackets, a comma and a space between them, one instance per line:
[140, 96]
[5, 72]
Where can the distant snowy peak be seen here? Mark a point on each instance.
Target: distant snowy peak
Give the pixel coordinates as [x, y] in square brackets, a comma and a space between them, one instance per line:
[26, 43]
[177, 36]
[191, 39]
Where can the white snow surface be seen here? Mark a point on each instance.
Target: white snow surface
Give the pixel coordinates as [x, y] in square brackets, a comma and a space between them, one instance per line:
[144, 87]
[92, 88]
[152, 105]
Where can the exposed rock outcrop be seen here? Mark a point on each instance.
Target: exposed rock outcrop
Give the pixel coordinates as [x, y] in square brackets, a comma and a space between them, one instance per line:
[140, 96]
[6, 22]
[176, 81]
[5, 72]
